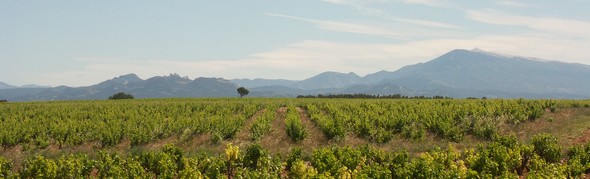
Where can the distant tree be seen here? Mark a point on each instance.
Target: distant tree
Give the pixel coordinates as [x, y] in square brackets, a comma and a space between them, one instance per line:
[121, 95]
[243, 91]
[3, 100]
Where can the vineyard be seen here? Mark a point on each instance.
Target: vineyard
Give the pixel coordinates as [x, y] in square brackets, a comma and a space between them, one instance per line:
[296, 138]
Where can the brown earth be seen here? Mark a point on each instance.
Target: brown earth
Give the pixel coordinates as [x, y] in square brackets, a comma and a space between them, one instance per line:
[277, 141]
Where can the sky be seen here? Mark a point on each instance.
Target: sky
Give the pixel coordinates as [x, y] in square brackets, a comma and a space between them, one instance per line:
[81, 43]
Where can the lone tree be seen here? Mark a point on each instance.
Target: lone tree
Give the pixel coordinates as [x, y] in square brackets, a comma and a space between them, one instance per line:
[3, 100]
[243, 91]
[121, 95]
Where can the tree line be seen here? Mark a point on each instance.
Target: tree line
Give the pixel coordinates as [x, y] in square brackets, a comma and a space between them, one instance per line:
[372, 96]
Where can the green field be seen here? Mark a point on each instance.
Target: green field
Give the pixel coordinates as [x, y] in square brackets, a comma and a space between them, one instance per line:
[295, 138]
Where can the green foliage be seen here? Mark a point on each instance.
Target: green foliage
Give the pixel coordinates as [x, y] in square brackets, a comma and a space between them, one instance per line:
[74, 166]
[414, 131]
[294, 155]
[110, 165]
[243, 91]
[301, 170]
[190, 169]
[39, 167]
[495, 160]
[141, 121]
[294, 127]
[442, 163]
[332, 127]
[164, 164]
[254, 153]
[121, 95]
[324, 160]
[262, 125]
[5, 167]
[379, 120]
[543, 169]
[69, 123]
[502, 158]
[545, 145]
[579, 160]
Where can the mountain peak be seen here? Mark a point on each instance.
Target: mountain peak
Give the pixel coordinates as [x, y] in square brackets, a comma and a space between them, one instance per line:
[327, 80]
[506, 56]
[352, 74]
[130, 76]
[500, 55]
[6, 86]
[482, 72]
[477, 50]
[123, 79]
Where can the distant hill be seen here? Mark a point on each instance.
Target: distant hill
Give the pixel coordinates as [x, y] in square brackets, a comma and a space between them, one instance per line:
[171, 86]
[483, 73]
[377, 89]
[34, 86]
[458, 73]
[328, 80]
[258, 82]
[6, 86]
[464, 73]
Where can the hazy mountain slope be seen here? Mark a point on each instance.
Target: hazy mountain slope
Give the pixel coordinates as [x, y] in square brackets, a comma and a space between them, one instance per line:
[277, 91]
[17, 94]
[484, 71]
[172, 86]
[328, 80]
[258, 82]
[459, 73]
[6, 86]
[384, 88]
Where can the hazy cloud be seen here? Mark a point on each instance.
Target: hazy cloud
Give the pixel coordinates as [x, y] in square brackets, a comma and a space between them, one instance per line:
[426, 23]
[565, 28]
[362, 6]
[348, 27]
[516, 4]
[436, 3]
[391, 37]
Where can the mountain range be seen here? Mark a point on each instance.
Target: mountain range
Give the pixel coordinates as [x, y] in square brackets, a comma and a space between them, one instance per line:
[458, 73]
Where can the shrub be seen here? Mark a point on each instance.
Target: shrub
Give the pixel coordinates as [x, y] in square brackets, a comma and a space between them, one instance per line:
[545, 145]
[293, 156]
[5, 167]
[414, 131]
[39, 167]
[579, 160]
[121, 95]
[293, 125]
[253, 154]
[74, 166]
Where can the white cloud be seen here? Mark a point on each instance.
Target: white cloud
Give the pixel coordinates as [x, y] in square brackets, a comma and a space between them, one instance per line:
[548, 38]
[435, 3]
[348, 27]
[362, 7]
[516, 4]
[337, 1]
[426, 23]
[304, 59]
[565, 28]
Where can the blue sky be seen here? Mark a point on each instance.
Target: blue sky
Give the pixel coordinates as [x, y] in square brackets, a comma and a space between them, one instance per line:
[80, 43]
